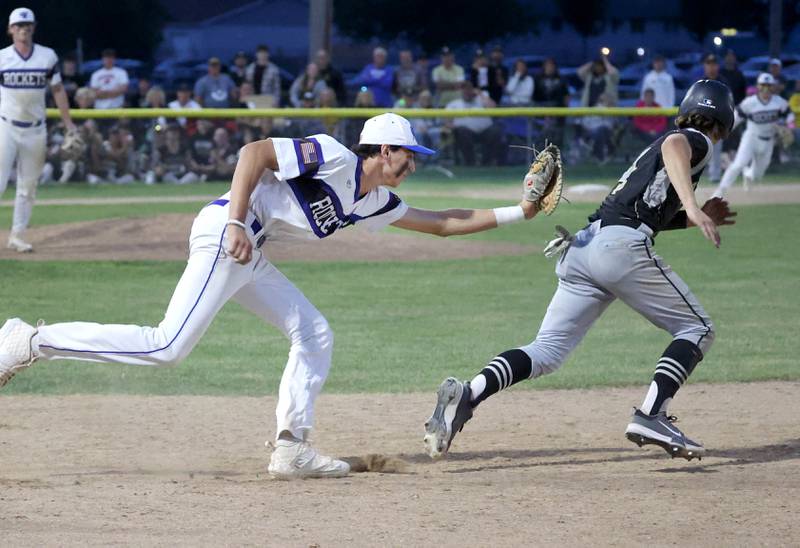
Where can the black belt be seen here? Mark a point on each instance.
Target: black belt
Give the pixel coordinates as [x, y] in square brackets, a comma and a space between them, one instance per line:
[255, 225]
[19, 123]
[765, 138]
[630, 223]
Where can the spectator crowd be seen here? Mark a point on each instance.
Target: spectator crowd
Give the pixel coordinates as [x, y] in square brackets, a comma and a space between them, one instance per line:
[184, 150]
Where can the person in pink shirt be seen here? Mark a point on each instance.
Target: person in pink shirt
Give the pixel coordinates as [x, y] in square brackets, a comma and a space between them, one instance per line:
[648, 127]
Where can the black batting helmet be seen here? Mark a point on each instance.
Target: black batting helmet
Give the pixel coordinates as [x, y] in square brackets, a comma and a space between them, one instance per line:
[710, 98]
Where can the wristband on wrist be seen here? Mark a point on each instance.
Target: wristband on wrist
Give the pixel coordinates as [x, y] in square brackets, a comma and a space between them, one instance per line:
[236, 222]
[508, 215]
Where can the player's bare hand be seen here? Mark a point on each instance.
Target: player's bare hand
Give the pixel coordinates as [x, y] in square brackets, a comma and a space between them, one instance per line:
[530, 209]
[238, 245]
[719, 211]
[705, 223]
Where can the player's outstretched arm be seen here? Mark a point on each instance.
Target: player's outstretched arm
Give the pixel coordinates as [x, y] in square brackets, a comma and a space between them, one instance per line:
[452, 222]
[254, 158]
[677, 154]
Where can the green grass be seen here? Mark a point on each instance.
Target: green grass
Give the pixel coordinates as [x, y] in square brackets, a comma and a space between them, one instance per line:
[424, 179]
[57, 214]
[404, 326]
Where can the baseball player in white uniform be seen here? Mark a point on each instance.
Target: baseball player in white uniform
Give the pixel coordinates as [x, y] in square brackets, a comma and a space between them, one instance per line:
[763, 111]
[282, 189]
[26, 69]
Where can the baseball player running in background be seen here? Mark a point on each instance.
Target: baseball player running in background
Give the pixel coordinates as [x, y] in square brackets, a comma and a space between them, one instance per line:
[282, 189]
[763, 111]
[26, 69]
[613, 258]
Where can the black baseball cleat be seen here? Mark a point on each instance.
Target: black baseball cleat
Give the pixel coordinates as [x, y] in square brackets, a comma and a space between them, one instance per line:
[660, 430]
[453, 409]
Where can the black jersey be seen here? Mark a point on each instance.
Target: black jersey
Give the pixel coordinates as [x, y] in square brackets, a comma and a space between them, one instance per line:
[644, 193]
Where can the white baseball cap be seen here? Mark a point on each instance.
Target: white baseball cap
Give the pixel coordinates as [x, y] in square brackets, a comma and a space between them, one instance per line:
[765, 78]
[775, 61]
[391, 129]
[21, 15]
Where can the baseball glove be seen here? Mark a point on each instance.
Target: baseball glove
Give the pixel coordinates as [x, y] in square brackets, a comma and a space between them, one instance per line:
[73, 145]
[785, 136]
[561, 242]
[544, 180]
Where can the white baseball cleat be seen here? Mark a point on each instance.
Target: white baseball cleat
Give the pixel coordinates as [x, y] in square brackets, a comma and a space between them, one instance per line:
[16, 348]
[18, 244]
[298, 460]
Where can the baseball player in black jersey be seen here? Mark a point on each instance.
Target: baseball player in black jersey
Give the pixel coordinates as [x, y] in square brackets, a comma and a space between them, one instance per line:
[612, 258]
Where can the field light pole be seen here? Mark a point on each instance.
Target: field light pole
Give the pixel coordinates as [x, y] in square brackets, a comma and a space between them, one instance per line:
[775, 23]
[320, 18]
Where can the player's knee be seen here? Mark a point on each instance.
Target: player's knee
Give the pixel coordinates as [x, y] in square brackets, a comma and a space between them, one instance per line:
[172, 356]
[545, 358]
[701, 334]
[707, 338]
[314, 335]
[26, 190]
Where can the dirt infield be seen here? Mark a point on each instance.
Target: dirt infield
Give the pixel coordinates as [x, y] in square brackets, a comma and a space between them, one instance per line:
[165, 237]
[534, 468]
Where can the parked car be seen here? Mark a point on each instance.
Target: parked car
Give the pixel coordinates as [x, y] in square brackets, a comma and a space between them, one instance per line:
[760, 63]
[170, 73]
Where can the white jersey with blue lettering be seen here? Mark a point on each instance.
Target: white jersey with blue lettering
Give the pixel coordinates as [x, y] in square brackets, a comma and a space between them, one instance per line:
[24, 81]
[316, 192]
[762, 116]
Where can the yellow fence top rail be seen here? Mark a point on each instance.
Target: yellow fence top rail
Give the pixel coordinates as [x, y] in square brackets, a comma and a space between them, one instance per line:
[526, 112]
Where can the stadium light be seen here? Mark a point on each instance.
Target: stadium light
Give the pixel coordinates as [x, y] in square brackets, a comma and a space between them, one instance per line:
[729, 32]
[640, 52]
[605, 51]
[717, 41]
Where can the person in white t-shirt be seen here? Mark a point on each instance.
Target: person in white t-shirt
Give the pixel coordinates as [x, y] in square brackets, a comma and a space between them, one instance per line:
[282, 189]
[471, 132]
[661, 82]
[26, 70]
[519, 90]
[184, 101]
[110, 83]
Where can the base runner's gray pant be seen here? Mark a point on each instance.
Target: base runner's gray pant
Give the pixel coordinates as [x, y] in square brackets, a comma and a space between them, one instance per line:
[604, 264]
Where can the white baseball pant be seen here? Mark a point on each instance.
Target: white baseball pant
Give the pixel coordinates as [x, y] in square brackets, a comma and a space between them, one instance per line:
[212, 278]
[27, 147]
[753, 151]
[604, 264]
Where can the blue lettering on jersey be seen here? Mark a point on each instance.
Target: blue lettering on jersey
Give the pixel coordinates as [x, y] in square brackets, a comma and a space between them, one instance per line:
[322, 206]
[766, 116]
[24, 78]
